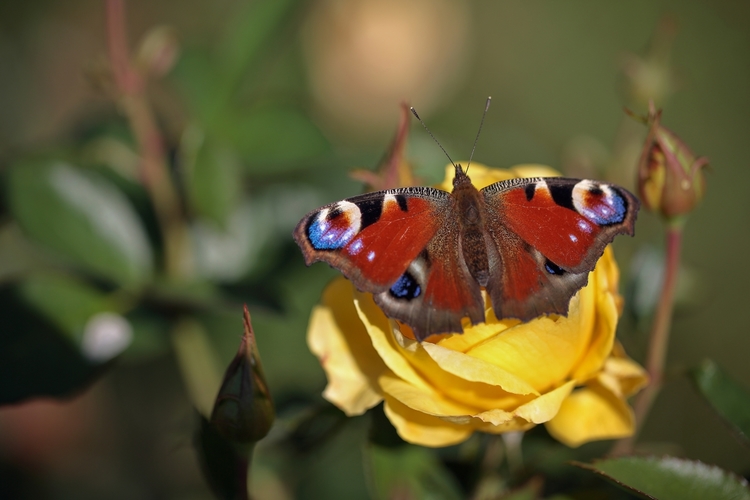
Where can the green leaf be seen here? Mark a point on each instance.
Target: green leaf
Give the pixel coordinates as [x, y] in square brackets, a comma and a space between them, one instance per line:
[251, 30]
[408, 472]
[529, 491]
[278, 137]
[213, 176]
[670, 478]
[730, 399]
[83, 313]
[82, 217]
[150, 337]
[196, 76]
[35, 357]
[67, 303]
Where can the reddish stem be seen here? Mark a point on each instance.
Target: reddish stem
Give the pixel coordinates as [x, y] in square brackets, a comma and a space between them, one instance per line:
[659, 339]
[153, 168]
[117, 40]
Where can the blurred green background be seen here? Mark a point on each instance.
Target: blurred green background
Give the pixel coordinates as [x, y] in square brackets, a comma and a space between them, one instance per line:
[264, 109]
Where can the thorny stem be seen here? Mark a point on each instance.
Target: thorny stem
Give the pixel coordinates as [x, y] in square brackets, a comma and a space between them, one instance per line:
[153, 169]
[243, 466]
[659, 339]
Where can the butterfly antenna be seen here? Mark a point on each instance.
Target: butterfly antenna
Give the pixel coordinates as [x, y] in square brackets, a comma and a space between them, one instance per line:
[486, 107]
[414, 112]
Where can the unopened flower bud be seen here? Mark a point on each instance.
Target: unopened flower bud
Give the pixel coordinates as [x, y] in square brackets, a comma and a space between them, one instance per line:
[158, 51]
[243, 412]
[670, 177]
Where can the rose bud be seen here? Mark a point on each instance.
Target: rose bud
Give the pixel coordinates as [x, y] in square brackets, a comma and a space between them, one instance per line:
[243, 412]
[670, 177]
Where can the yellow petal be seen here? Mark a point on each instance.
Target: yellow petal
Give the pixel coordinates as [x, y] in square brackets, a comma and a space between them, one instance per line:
[339, 340]
[536, 411]
[546, 406]
[462, 378]
[476, 370]
[476, 334]
[534, 170]
[589, 414]
[629, 374]
[380, 331]
[422, 429]
[423, 400]
[480, 175]
[603, 338]
[514, 424]
[543, 351]
[606, 313]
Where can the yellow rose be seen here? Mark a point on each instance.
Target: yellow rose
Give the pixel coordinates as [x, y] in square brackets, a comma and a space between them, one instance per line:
[498, 376]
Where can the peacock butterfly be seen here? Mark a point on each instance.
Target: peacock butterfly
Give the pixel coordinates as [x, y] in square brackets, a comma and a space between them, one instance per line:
[425, 253]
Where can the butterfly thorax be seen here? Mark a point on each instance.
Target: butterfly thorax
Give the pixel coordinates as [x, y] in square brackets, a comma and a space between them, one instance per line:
[469, 207]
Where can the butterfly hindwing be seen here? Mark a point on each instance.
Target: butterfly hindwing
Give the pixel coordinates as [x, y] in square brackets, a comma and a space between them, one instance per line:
[550, 232]
[436, 291]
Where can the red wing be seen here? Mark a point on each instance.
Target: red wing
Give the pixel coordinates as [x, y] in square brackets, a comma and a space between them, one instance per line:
[374, 237]
[549, 234]
[402, 245]
[569, 221]
[436, 290]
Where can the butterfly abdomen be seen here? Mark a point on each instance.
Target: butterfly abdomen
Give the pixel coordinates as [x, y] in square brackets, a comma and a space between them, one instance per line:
[470, 209]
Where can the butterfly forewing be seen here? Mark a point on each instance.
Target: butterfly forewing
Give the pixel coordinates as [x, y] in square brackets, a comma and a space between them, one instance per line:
[550, 232]
[372, 238]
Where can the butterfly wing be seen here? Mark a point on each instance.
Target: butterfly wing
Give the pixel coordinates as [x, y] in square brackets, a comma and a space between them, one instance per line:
[399, 245]
[436, 290]
[549, 233]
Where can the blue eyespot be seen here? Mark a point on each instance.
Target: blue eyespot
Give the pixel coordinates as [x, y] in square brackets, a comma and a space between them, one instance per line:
[406, 288]
[325, 236]
[553, 268]
[607, 210]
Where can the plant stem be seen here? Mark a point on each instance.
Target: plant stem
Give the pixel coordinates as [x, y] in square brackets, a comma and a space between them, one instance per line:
[659, 339]
[154, 173]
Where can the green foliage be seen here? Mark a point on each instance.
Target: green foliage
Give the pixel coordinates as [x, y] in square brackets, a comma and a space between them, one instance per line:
[82, 217]
[727, 396]
[671, 478]
[409, 470]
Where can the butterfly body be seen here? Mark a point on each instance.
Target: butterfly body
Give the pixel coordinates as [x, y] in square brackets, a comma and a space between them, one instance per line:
[425, 254]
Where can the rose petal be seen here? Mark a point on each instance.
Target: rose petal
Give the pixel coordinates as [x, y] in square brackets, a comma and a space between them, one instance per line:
[536, 411]
[427, 401]
[546, 406]
[473, 369]
[338, 338]
[476, 334]
[603, 334]
[602, 339]
[380, 333]
[590, 414]
[514, 424]
[480, 175]
[542, 351]
[534, 170]
[422, 429]
[485, 392]
[629, 374]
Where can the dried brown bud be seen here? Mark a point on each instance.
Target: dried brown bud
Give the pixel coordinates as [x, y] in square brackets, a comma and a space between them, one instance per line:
[395, 170]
